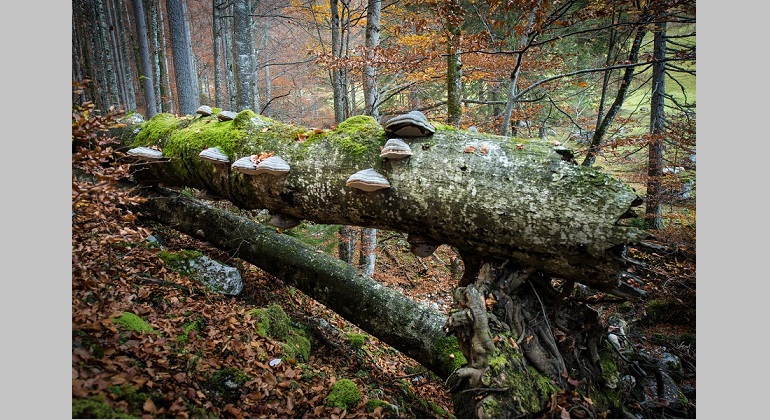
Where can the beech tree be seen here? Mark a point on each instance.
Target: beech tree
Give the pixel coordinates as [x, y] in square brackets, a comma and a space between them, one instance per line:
[184, 67]
[242, 51]
[146, 76]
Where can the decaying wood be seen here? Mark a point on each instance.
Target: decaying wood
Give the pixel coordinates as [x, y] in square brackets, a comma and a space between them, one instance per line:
[488, 196]
[520, 214]
[412, 328]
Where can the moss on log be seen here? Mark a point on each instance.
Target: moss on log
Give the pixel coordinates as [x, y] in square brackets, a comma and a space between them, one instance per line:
[487, 195]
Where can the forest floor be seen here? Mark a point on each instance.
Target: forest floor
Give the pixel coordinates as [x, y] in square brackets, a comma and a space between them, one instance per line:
[188, 352]
[207, 358]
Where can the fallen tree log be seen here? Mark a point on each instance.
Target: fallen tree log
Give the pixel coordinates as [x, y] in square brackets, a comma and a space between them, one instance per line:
[413, 329]
[491, 197]
[514, 348]
[521, 213]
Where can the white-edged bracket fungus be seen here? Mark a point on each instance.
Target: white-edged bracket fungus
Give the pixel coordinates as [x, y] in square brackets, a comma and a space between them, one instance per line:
[244, 165]
[145, 153]
[226, 115]
[395, 149]
[411, 124]
[422, 246]
[274, 165]
[367, 180]
[204, 110]
[214, 154]
[283, 221]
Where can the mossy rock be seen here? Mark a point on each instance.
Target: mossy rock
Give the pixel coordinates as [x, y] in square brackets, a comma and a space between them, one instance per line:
[344, 394]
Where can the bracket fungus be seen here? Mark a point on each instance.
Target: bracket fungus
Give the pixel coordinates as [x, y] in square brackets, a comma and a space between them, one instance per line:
[422, 246]
[274, 165]
[283, 221]
[145, 153]
[244, 165]
[214, 154]
[395, 149]
[367, 180]
[204, 110]
[411, 124]
[226, 115]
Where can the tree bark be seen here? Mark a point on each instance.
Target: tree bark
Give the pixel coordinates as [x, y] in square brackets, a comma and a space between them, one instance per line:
[503, 352]
[528, 222]
[184, 68]
[481, 193]
[412, 328]
[653, 211]
[146, 77]
[242, 49]
[454, 65]
[368, 257]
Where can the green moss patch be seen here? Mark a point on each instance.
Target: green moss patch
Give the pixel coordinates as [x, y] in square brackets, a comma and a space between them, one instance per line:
[344, 394]
[131, 322]
[157, 130]
[96, 408]
[360, 137]
[273, 322]
[449, 350]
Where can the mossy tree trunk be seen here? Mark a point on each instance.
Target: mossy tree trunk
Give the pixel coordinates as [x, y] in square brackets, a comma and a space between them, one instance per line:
[528, 221]
[486, 195]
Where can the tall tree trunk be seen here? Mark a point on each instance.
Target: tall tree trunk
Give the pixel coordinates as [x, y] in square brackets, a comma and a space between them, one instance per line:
[125, 60]
[165, 92]
[653, 213]
[338, 88]
[454, 71]
[227, 32]
[184, 67]
[368, 257]
[347, 246]
[217, 37]
[625, 84]
[242, 50]
[146, 77]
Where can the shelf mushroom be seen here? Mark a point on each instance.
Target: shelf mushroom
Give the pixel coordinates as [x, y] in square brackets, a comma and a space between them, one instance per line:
[422, 246]
[145, 153]
[204, 111]
[274, 165]
[411, 124]
[214, 154]
[367, 180]
[396, 149]
[226, 115]
[244, 165]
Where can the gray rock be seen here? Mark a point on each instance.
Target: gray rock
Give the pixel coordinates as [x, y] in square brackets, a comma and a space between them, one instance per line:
[217, 276]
